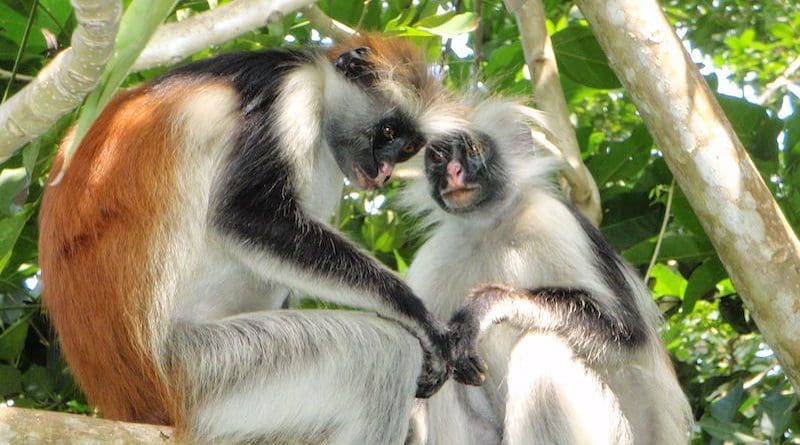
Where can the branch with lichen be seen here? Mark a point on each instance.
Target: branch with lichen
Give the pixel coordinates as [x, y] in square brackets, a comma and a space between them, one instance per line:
[549, 97]
[66, 80]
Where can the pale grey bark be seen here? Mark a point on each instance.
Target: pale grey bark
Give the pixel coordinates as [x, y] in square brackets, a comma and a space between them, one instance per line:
[327, 26]
[549, 97]
[25, 426]
[66, 80]
[64, 83]
[752, 237]
[174, 42]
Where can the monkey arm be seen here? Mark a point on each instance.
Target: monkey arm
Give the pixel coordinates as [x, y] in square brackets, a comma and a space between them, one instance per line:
[293, 249]
[593, 331]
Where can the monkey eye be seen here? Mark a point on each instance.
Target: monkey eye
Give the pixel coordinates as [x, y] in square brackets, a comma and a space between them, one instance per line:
[388, 132]
[410, 148]
[473, 149]
[438, 156]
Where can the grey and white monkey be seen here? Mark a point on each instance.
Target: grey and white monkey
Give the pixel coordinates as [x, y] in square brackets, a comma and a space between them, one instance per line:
[566, 331]
[193, 206]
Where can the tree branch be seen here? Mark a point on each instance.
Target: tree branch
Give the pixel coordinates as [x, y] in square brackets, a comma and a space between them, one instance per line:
[65, 81]
[752, 237]
[549, 97]
[327, 26]
[38, 426]
[782, 80]
[174, 42]
[5, 74]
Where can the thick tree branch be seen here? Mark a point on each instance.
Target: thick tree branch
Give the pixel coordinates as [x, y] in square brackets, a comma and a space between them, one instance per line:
[65, 81]
[549, 97]
[327, 26]
[174, 42]
[740, 216]
[36, 426]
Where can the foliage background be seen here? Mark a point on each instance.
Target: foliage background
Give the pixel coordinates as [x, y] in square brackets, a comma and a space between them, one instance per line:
[738, 392]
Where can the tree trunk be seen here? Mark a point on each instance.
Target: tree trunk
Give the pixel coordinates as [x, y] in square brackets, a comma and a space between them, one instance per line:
[752, 237]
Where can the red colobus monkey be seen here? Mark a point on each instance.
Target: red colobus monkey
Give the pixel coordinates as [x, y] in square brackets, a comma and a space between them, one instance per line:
[195, 204]
[566, 333]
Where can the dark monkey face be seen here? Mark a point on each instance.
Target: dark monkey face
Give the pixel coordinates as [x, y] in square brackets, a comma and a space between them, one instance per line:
[464, 172]
[391, 133]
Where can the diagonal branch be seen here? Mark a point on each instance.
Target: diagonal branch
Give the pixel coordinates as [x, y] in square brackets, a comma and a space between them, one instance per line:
[549, 97]
[65, 81]
[749, 232]
[327, 26]
[174, 42]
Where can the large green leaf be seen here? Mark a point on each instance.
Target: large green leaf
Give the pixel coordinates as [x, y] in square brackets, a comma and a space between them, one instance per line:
[702, 280]
[580, 57]
[673, 246]
[448, 25]
[10, 228]
[12, 340]
[622, 160]
[10, 380]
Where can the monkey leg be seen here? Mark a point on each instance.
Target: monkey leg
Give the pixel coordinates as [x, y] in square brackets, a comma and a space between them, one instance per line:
[297, 377]
[554, 398]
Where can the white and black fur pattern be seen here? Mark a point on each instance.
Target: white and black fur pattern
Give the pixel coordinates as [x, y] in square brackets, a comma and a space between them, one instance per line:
[566, 331]
[198, 201]
[288, 376]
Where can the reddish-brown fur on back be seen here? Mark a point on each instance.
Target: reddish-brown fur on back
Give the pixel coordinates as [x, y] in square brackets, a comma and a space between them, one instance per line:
[397, 58]
[98, 270]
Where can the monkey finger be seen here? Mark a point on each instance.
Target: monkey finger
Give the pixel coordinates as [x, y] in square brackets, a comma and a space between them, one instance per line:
[470, 371]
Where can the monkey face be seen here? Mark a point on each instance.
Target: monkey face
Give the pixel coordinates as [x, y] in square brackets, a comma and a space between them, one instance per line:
[464, 172]
[376, 128]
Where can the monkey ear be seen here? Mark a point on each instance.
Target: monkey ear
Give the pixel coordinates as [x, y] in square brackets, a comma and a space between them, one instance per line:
[354, 64]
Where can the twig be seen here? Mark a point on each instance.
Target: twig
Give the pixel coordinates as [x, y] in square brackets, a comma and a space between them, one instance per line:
[781, 81]
[5, 74]
[661, 232]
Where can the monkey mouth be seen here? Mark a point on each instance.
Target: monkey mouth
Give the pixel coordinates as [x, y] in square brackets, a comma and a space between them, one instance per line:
[369, 183]
[460, 197]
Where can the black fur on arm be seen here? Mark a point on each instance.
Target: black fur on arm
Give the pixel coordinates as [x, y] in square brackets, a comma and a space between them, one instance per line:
[570, 313]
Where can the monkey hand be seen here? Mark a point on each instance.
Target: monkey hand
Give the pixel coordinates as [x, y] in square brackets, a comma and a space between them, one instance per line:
[468, 367]
[435, 367]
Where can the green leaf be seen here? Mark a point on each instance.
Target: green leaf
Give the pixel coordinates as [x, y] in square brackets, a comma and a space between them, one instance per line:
[727, 430]
[10, 381]
[622, 160]
[38, 381]
[12, 340]
[12, 181]
[580, 57]
[667, 281]
[448, 25]
[779, 408]
[725, 409]
[402, 266]
[12, 27]
[703, 279]
[10, 228]
[631, 220]
[677, 247]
